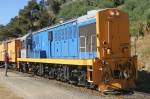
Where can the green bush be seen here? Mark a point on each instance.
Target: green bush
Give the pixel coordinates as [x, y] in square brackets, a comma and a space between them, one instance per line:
[74, 9]
[138, 10]
[139, 15]
[78, 8]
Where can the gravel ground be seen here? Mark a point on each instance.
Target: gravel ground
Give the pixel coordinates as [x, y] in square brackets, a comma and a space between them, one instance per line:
[6, 93]
[28, 87]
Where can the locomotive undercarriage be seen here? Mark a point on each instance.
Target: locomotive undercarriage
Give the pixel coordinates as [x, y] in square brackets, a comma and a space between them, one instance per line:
[2, 64]
[75, 75]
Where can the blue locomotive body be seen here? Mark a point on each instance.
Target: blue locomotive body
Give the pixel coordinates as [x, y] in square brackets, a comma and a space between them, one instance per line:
[67, 40]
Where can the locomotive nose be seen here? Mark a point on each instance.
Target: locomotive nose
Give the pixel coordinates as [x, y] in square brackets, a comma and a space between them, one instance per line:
[117, 74]
[115, 68]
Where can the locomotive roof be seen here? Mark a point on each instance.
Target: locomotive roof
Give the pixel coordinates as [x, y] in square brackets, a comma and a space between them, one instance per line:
[25, 36]
[89, 15]
[50, 27]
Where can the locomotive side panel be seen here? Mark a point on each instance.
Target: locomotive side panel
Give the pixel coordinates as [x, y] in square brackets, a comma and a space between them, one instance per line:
[57, 42]
[66, 40]
[39, 47]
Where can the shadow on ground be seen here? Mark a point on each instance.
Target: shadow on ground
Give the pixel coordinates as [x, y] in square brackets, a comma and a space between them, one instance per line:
[17, 76]
[143, 82]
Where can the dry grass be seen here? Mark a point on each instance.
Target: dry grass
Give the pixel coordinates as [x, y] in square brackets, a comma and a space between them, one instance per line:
[5, 93]
[143, 52]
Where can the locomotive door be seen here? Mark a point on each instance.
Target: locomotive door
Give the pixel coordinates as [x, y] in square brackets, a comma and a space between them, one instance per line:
[50, 39]
[109, 36]
[64, 42]
[58, 44]
[73, 41]
[112, 36]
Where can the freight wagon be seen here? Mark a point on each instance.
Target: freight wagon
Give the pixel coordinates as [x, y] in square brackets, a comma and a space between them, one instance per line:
[12, 47]
[2, 49]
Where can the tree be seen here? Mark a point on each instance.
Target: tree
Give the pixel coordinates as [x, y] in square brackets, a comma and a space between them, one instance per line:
[54, 6]
[118, 2]
[32, 17]
[4, 33]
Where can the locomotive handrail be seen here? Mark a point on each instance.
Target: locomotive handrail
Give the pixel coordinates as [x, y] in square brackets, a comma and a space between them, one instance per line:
[84, 46]
[108, 32]
[92, 42]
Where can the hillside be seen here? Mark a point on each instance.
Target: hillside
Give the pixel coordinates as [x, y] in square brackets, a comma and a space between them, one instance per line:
[35, 15]
[143, 52]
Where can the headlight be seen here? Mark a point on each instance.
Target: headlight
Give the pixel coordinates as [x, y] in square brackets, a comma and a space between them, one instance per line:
[112, 13]
[117, 13]
[109, 51]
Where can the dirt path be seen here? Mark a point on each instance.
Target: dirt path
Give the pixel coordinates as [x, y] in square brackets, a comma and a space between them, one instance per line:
[32, 88]
[6, 93]
[23, 85]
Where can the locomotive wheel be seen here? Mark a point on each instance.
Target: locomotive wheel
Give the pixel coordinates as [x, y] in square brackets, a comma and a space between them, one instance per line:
[25, 69]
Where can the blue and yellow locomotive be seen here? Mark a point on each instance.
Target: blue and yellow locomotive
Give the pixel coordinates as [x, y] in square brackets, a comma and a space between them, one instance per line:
[93, 50]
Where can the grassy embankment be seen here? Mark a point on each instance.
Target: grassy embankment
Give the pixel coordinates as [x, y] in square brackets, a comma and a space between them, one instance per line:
[143, 52]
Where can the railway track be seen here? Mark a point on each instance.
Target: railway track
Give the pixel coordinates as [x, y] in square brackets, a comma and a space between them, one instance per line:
[142, 93]
[134, 95]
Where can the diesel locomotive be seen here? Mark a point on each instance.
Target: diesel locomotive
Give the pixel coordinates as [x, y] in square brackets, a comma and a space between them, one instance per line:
[93, 50]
